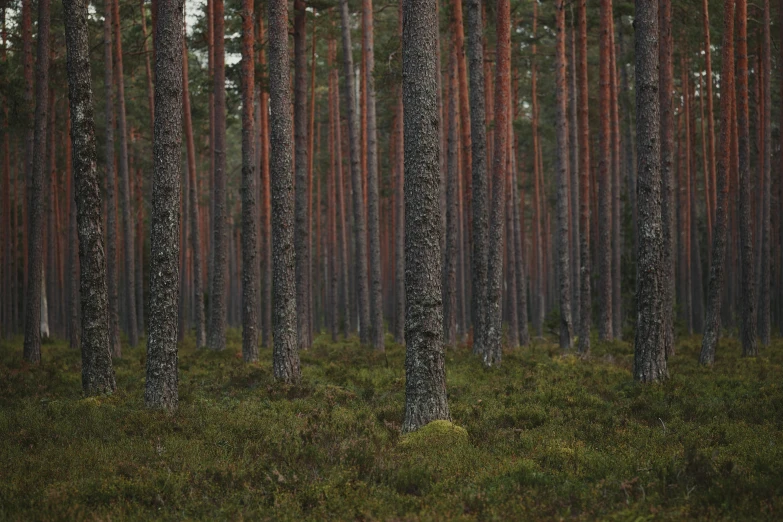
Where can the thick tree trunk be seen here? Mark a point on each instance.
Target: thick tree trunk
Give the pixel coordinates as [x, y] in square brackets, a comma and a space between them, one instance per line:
[492, 339]
[604, 251]
[585, 300]
[301, 191]
[450, 258]
[373, 197]
[285, 355]
[97, 373]
[125, 188]
[249, 193]
[425, 383]
[218, 300]
[715, 287]
[747, 288]
[561, 170]
[765, 287]
[359, 230]
[665, 92]
[649, 354]
[32, 333]
[161, 384]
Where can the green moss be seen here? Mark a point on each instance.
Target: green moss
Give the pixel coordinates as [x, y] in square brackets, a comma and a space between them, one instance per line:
[436, 433]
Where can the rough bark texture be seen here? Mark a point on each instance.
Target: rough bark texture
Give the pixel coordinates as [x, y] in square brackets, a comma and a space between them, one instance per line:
[373, 198]
[561, 171]
[125, 189]
[249, 193]
[359, 230]
[747, 287]
[218, 301]
[765, 287]
[715, 287]
[111, 187]
[266, 227]
[452, 179]
[511, 261]
[492, 339]
[573, 139]
[301, 234]
[649, 355]
[585, 302]
[285, 360]
[97, 373]
[666, 88]
[193, 208]
[425, 372]
[604, 247]
[32, 328]
[161, 384]
[478, 131]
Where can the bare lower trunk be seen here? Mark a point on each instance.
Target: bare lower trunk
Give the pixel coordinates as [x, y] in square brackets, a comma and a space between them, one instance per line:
[450, 258]
[97, 373]
[604, 250]
[765, 288]
[585, 300]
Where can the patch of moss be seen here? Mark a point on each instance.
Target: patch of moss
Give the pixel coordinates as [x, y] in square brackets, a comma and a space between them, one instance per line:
[436, 433]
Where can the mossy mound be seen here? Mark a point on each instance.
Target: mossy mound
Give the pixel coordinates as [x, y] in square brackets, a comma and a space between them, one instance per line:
[437, 433]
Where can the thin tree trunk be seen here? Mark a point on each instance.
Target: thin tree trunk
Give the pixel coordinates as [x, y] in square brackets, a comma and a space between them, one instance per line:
[575, 166]
[710, 160]
[649, 354]
[765, 288]
[125, 188]
[604, 251]
[684, 173]
[161, 383]
[285, 355]
[97, 373]
[32, 336]
[617, 235]
[747, 288]
[266, 243]
[706, 161]
[218, 300]
[511, 262]
[561, 169]
[147, 67]
[450, 259]
[585, 300]
[665, 92]
[539, 292]
[715, 287]
[74, 303]
[425, 383]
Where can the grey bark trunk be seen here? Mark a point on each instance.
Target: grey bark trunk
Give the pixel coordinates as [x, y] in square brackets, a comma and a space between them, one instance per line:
[425, 373]
[450, 258]
[399, 232]
[604, 250]
[585, 299]
[161, 384]
[765, 288]
[301, 235]
[285, 355]
[573, 138]
[97, 373]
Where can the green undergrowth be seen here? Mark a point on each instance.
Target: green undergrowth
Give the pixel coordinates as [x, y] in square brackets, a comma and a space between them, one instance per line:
[544, 436]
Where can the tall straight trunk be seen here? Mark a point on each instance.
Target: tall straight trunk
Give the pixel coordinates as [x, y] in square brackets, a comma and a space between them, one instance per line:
[373, 197]
[617, 236]
[210, 21]
[97, 373]
[301, 189]
[710, 160]
[585, 300]
[29, 110]
[649, 355]
[492, 339]
[74, 303]
[425, 383]
[6, 313]
[697, 290]
[715, 287]
[399, 211]
[125, 188]
[706, 161]
[780, 199]
[538, 292]
[32, 333]
[266, 228]
[333, 312]
[478, 165]
[147, 67]
[342, 187]
[311, 312]
[112, 275]
[450, 258]
[519, 249]
[161, 383]
[764, 319]
[218, 300]
[628, 142]
[665, 93]
[561, 170]
[686, 305]
[285, 359]
[359, 230]
[511, 261]
[249, 193]
[747, 287]
[574, 168]
[604, 251]
[193, 207]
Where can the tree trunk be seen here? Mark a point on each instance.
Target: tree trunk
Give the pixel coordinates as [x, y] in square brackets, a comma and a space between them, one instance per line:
[649, 354]
[97, 373]
[604, 251]
[32, 336]
[575, 166]
[511, 262]
[665, 92]
[585, 300]
[161, 384]
[617, 235]
[492, 338]
[684, 204]
[285, 355]
[710, 160]
[450, 259]
[266, 230]
[539, 291]
[425, 383]
[125, 188]
[218, 300]
[765, 288]
[561, 170]
[74, 303]
[747, 288]
[715, 287]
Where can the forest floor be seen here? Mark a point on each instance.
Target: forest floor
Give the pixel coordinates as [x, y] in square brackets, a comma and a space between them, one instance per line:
[548, 437]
